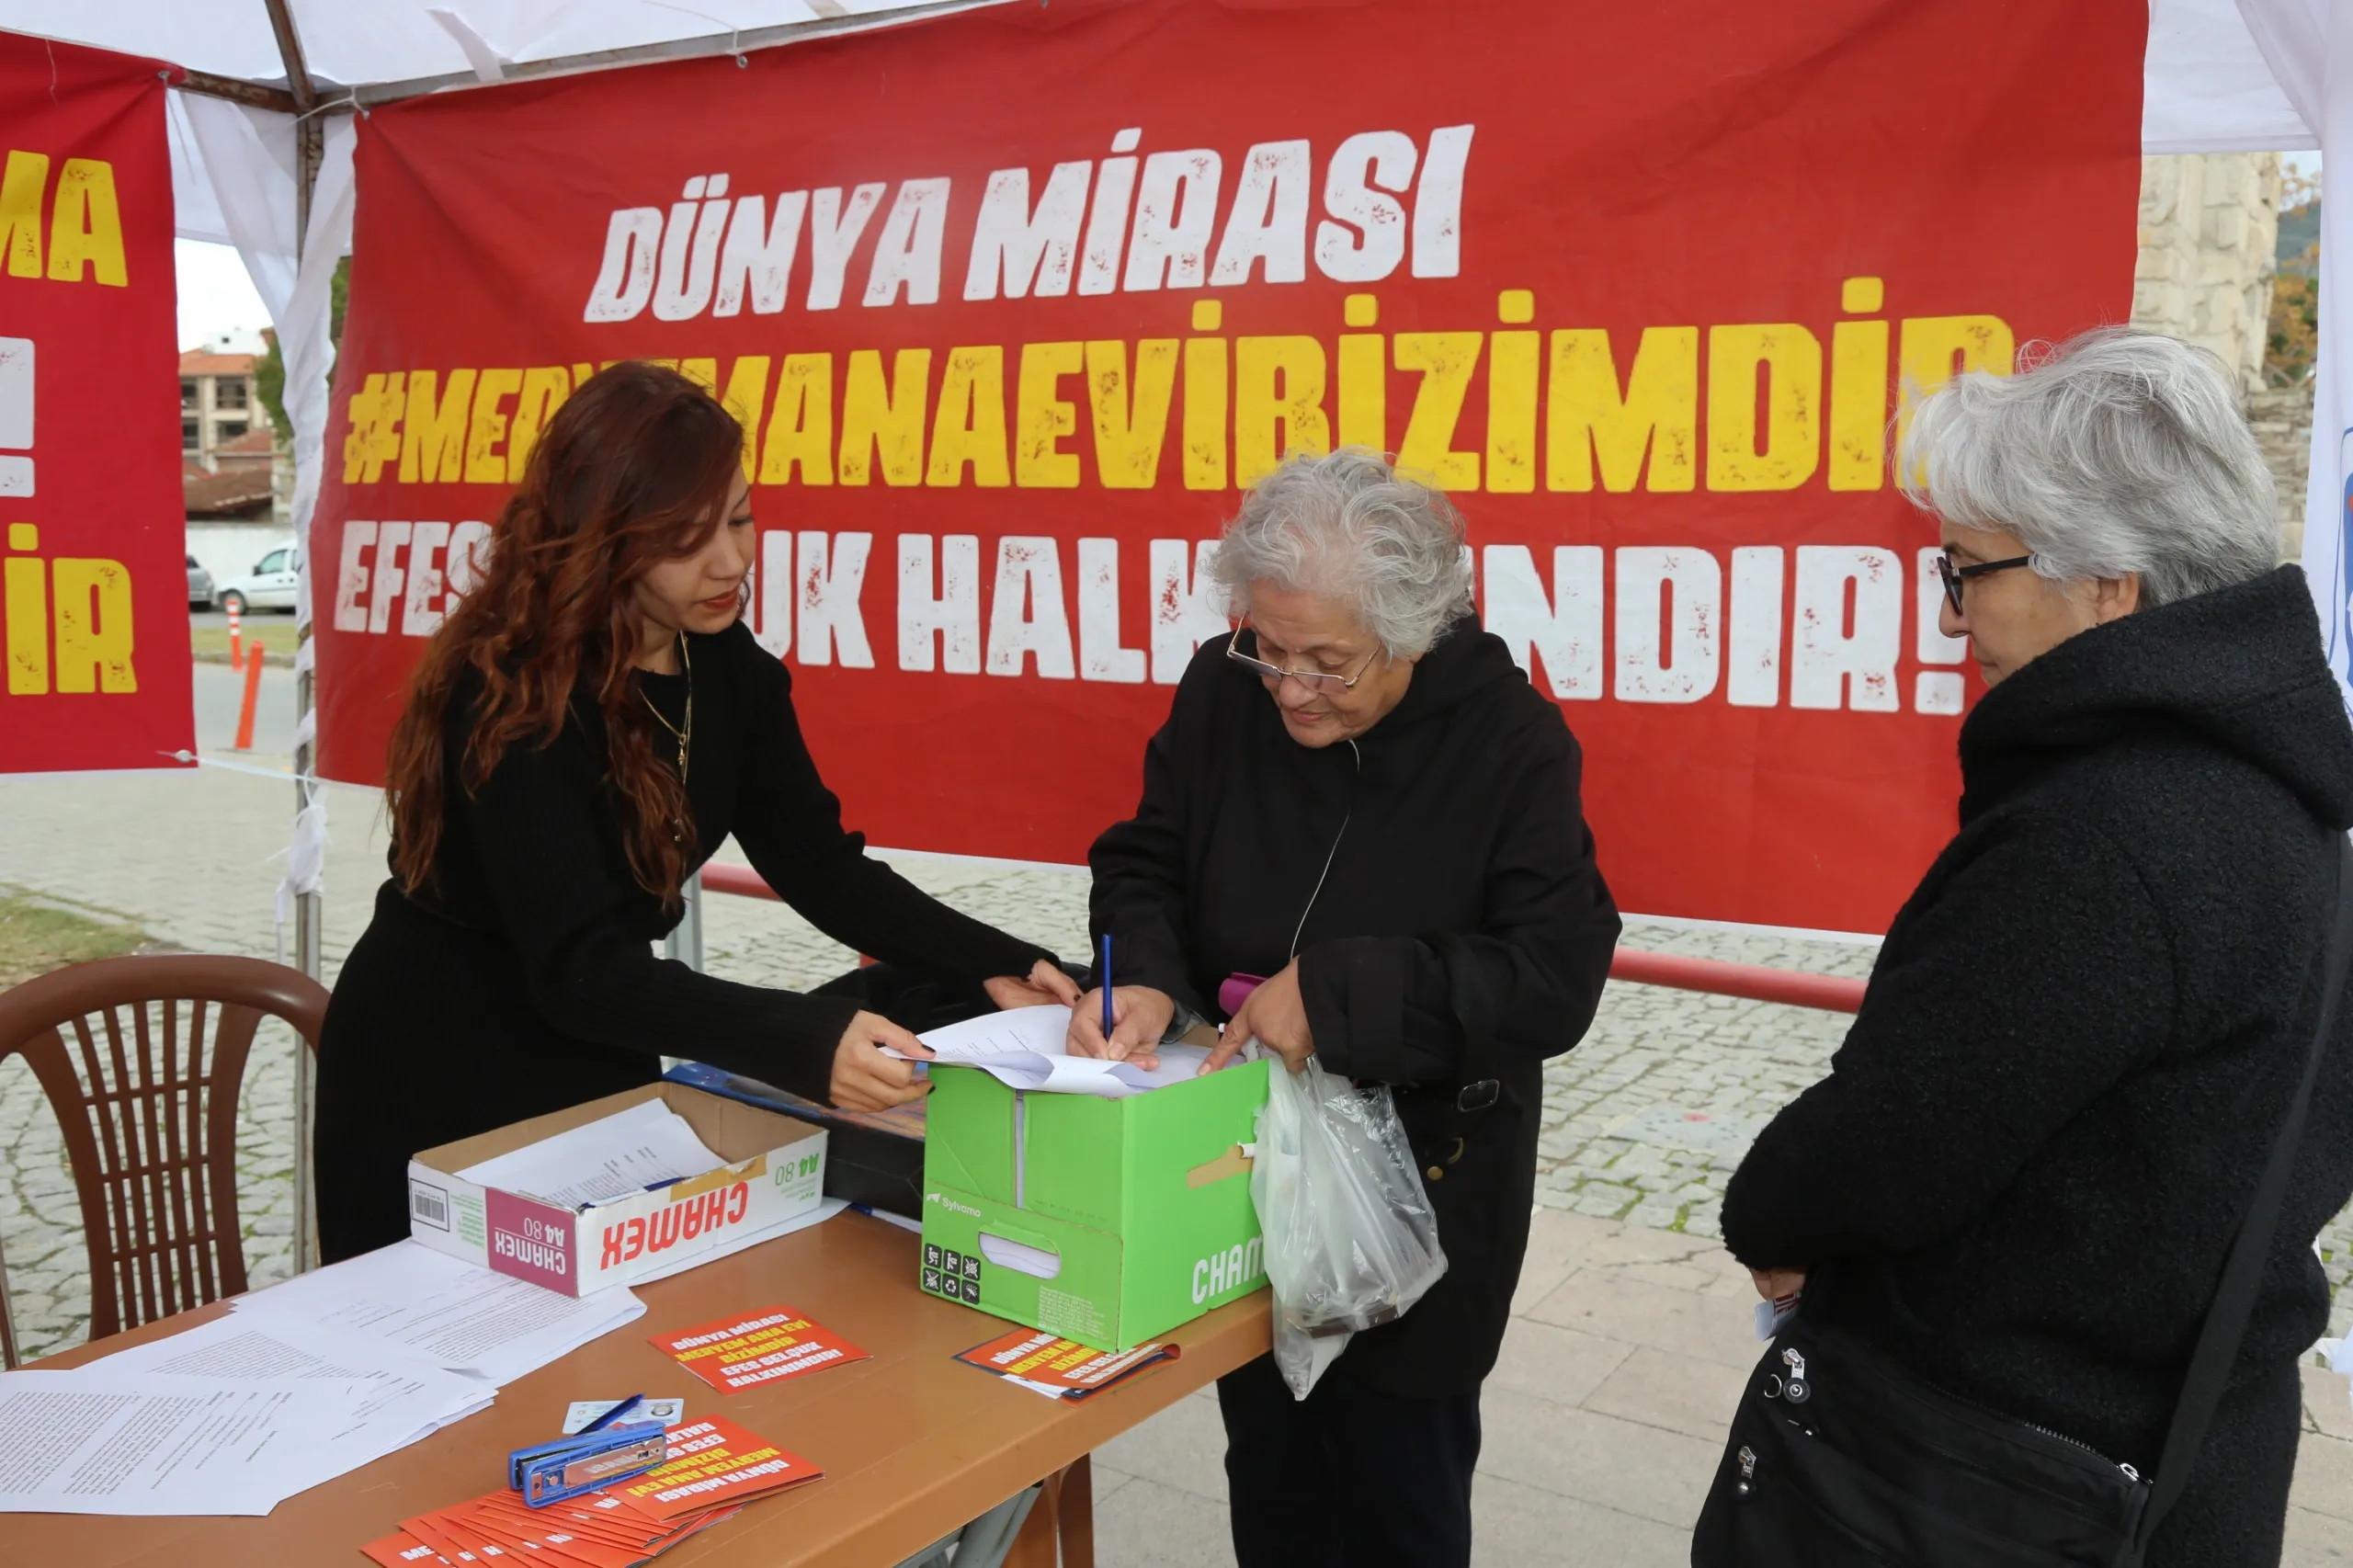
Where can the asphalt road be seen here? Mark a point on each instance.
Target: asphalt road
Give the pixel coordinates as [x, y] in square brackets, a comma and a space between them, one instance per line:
[220, 691]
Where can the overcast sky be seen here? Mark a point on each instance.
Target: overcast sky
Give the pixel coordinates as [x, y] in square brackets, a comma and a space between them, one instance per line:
[216, 296]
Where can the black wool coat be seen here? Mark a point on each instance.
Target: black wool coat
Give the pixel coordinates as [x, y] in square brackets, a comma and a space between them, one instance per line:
[2032, 1150]
[1458, 814]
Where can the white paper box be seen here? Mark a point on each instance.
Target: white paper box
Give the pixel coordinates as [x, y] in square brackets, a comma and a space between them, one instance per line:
[775, 1170]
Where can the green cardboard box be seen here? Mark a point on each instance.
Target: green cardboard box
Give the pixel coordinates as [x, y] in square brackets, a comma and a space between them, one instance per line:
[1106, 1222]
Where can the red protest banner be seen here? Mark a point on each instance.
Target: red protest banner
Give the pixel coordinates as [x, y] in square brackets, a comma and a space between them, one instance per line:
[1012, 303]
[93, 592]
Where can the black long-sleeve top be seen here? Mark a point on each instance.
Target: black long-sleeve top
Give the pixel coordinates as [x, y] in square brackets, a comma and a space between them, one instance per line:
[522, 979]
[1454, 820]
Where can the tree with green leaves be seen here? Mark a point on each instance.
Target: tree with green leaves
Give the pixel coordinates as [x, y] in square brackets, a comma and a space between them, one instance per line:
[269, 371]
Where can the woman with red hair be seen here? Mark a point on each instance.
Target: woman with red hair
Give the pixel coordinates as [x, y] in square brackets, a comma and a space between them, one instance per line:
[588, 724]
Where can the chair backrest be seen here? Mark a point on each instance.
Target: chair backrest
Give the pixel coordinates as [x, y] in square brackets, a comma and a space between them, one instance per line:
[142, 1059]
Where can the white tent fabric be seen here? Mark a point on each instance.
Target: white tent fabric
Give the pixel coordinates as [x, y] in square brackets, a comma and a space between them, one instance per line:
[196, 211]
[353, 42]
[234, 181]
[2210, 86]
[309, 353]
[240, 170]
[2310, 45]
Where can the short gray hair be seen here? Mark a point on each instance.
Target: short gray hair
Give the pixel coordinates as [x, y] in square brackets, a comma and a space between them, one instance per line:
[2116, 451]
[1349, 526]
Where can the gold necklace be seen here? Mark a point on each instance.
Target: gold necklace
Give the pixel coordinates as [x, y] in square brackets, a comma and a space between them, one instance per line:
[685, 736]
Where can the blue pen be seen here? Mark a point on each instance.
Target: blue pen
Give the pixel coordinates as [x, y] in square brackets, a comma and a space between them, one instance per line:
[1103, 980]
[614, 1413]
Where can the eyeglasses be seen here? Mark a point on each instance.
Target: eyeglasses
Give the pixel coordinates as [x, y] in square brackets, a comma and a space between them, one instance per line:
[1314, 680]
[1956, 576]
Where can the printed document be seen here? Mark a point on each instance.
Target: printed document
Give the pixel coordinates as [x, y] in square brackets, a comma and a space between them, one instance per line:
[615, 1156]
[410, 1299]
[405, 1399]
[1024, 1048]
[92, 1441]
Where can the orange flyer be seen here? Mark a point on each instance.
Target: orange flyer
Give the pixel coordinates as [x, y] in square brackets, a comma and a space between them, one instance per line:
[598, 1529]
[402, 1550]
[1061, 1369]
[755, 1347]
[712, 1461]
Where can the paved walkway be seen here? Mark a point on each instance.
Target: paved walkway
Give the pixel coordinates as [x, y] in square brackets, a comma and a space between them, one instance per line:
[1604, 1421]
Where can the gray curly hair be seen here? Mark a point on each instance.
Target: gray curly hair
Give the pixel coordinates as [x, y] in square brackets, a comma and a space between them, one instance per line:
[2115, 451]
[1349, 526]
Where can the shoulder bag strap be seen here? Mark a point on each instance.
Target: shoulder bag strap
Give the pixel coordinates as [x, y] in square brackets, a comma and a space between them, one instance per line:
[1478, 1082]
[2225, 1326]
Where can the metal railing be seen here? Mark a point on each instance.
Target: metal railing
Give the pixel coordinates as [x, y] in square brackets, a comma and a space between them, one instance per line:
[1830, 993]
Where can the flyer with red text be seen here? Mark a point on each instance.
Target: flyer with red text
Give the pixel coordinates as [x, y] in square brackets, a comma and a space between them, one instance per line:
[756, 1347]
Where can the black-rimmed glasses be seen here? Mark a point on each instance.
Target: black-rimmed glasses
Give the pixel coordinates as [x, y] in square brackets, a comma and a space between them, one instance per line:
[1314, 680]
[1956, 576]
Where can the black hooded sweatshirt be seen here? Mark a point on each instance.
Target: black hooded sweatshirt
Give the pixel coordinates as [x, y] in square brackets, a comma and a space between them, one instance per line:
[1457, 815]
[2081, 1037]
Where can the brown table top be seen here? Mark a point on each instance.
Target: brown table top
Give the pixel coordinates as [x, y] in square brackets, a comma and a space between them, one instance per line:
[912, 1443]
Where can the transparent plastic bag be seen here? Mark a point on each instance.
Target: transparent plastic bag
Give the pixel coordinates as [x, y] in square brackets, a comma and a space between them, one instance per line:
[1350, 1240]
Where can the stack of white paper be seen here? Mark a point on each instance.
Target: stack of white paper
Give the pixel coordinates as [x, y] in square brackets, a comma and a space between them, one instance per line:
[614, 1156]
[409, 1299]
[302, 1382]
[383, 1400]
[98, 1441]
[1025, 1046]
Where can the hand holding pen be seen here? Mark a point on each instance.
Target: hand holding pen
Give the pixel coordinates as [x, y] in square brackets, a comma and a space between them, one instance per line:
[1123, 1023]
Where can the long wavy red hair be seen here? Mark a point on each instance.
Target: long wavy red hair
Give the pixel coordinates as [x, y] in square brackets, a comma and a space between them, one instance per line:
[635, 467]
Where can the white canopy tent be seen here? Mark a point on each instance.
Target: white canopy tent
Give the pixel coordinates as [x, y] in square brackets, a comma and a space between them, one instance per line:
[262, 137]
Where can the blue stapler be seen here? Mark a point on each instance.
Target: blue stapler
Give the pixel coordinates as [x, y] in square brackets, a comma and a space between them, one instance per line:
[608, 1448]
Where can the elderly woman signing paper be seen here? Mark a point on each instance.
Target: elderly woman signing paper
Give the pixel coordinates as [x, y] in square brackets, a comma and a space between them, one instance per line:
[1359, 797]
[2083, 1034]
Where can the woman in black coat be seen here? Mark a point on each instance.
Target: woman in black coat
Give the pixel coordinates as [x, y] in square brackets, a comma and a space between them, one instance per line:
[1360, 797]
[585, 728]
[2033, 1149]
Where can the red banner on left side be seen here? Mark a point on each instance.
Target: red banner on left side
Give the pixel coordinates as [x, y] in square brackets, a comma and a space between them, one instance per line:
[93, 591]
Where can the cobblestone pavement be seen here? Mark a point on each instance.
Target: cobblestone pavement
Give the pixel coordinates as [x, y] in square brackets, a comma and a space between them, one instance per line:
[1644, 1122]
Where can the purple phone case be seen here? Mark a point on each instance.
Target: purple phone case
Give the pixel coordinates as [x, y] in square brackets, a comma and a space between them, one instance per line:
[1234, 990]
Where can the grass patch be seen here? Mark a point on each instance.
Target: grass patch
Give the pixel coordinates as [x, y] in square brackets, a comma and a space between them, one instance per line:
[37, 936]
[211, 644]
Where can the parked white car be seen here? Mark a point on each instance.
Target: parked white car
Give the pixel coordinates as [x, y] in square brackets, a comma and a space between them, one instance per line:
[271, 584]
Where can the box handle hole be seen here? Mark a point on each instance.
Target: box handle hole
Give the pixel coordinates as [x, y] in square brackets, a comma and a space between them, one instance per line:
[1021, 1257]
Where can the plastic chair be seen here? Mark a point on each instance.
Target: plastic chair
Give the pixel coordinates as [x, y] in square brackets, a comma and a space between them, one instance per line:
[150, 1115]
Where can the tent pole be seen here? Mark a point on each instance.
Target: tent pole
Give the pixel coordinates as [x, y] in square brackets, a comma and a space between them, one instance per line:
[309, 144]
[289, 50]
[236, 90]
